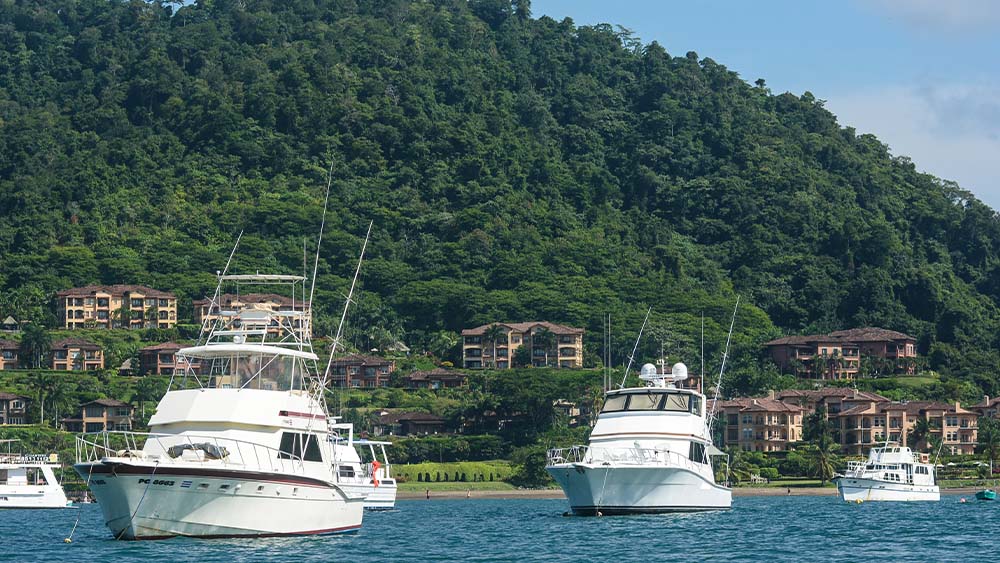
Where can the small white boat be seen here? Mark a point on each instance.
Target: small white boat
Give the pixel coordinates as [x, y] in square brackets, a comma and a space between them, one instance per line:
[650, 451]
[371, 480]
[28, 481]
[891, 473]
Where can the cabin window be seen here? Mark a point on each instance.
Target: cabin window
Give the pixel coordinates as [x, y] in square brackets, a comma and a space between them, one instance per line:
[648, 402]
[614, 403]
[677, 402]
[346, 471]
[697, 452]
[696, 405]
[299, 446]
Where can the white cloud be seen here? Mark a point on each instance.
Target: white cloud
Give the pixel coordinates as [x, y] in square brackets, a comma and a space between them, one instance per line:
[949, 131]
[954, 15]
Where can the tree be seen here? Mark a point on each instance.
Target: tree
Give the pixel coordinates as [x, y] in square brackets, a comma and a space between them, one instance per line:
[921, 432]
[989, 438]
[442, 343]
[821, 449]
[492, 335]
[44, 384]
[542, 338]
[35, 344]
[123, 316]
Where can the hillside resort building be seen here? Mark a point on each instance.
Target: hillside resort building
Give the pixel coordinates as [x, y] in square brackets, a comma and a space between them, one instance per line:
[845, 354]
[550, 344]
[116, 306]
[859, 421]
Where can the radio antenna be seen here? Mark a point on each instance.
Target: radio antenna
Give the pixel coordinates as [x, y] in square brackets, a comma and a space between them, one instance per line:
[636, 347]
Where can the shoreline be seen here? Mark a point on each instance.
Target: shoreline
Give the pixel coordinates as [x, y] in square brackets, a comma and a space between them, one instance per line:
[558, 494]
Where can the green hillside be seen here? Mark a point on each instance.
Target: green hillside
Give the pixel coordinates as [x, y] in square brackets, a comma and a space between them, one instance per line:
[515, 168]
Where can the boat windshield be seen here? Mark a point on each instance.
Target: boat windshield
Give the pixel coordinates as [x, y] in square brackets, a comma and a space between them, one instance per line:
[653, 401]
[255, 371]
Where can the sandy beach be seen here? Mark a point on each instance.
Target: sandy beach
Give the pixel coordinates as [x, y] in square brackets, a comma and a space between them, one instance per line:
[557, 493]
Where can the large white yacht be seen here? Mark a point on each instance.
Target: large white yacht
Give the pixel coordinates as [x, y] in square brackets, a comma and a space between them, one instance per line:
[890, 473]
[239, 447]
[371, 480]
[29, 481]
[650, 451]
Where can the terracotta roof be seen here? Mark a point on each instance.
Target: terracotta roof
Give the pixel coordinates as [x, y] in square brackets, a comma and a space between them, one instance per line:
[11, 396]
[871, 334]
[227, 299]
[919, 407]
[762, 405]
[9, 345]
[809, 339]
[115, 289]
[107, 403]
[524, 327]
[438, 374]
[67, 343]
[859, 409]
[849, 336]
[825, 392]
[987, 403]
[163, 346]
[395, 417]
[360, 360]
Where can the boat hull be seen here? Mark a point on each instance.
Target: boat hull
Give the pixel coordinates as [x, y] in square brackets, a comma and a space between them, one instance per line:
[140, 503]
[986, 495]
[28, 496]
[854, 489]
[382, 497]
[593, 489]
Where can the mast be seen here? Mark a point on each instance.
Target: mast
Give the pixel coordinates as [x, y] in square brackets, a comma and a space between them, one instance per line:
[636, 347]
[347, 303]
[725, 356]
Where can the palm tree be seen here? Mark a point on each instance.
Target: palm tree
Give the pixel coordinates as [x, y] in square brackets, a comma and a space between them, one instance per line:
[543, 338]
[921, 430]
[821, 458]
[492, 334]
[989, 438]
[124, 316]
[44, 386]
[442, 343]
[35, 344]
[151, 316]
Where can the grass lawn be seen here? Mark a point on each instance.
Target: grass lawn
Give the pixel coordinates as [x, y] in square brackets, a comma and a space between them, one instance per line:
[792, 483]
[416, 487]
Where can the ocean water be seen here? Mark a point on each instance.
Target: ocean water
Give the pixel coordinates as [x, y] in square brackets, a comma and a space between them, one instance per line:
[767, 529]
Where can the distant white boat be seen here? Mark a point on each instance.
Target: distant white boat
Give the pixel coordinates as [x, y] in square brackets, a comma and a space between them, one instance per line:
[650, 451]
[371, 480]
[891, 473]
[28, 481]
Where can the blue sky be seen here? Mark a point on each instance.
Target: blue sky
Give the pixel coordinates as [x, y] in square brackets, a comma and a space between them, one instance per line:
[922, 75]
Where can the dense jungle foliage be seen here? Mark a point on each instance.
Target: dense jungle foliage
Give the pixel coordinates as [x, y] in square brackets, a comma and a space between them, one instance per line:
[515, 169]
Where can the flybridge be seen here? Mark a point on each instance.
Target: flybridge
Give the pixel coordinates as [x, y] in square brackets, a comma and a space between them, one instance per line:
[258, 342]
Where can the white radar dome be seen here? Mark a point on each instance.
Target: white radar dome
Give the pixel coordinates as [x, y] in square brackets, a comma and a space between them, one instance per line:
[679, 371]
[648, 371]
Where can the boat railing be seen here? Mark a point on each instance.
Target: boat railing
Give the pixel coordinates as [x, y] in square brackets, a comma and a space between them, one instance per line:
[621, 456]
[190, 448]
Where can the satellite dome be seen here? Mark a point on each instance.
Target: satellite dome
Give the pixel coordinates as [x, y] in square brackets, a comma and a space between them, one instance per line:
[679, 371]
[648, 371]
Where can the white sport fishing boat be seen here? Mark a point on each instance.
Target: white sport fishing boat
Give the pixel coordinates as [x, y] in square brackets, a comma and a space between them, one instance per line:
[29, 481]
[239, 448]
[371, 480]
[650, 451]
[891, 473]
